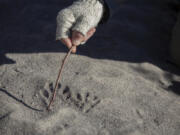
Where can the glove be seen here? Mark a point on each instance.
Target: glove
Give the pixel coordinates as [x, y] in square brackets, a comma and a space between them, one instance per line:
[81, 16]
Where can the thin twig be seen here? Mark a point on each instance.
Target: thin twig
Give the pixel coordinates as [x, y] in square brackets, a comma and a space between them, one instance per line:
[59, 77]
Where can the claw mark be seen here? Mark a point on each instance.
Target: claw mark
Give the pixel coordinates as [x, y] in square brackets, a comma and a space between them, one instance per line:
[87, 96]
[59, 85]
[51, 87]
[79, 97]
[46, 94]
[67, 93]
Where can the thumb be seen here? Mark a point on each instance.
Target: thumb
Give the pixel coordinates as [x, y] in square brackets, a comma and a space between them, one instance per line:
[81, 28]
[77, 38]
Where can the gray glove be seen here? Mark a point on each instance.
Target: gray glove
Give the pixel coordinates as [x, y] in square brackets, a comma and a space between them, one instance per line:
[81, 16]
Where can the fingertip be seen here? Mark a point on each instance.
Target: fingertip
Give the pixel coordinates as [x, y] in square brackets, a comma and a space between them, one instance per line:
[77, 38]
[74, 50]
[67, 42]
[90, 34]
[91, 31]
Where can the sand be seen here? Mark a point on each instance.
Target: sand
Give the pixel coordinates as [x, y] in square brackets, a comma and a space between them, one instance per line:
[120, 83]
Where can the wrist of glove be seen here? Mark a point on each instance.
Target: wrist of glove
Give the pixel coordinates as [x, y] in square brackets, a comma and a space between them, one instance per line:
[81, 16]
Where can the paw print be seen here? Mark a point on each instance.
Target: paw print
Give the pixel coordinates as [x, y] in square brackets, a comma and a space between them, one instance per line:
[84, 102]
[46, 92]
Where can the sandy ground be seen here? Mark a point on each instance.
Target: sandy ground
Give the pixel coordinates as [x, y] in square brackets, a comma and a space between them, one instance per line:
[120, 83]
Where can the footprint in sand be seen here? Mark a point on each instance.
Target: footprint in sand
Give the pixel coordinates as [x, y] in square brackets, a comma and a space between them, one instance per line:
[85, 102]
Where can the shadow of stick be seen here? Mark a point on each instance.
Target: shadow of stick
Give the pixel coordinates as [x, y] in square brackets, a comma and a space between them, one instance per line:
[19, 100]
[4, 116]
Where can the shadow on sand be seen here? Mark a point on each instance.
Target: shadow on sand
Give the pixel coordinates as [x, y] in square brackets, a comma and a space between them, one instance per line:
[19, 100]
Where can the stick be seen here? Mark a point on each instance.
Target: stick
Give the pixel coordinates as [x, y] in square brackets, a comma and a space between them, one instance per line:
[59, 77]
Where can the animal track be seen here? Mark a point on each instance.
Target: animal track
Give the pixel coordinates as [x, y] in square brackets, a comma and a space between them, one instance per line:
[84, 102]
[47, 92]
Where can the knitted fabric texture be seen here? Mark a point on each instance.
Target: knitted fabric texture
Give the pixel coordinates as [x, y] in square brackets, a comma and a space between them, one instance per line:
[81, 16]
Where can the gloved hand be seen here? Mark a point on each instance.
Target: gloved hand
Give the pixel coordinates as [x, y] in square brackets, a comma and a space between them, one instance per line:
[76, 23]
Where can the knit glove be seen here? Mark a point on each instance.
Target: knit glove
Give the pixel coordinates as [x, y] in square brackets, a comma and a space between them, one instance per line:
[81, 16]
